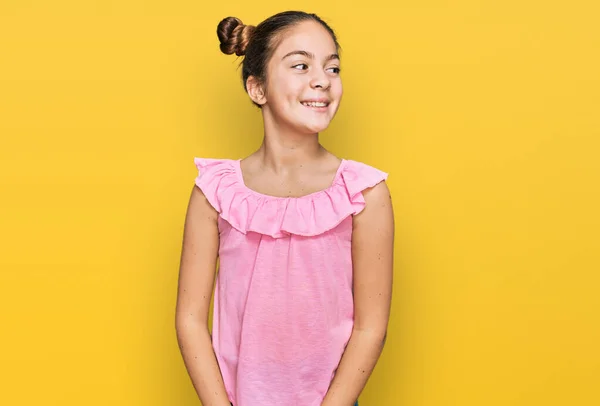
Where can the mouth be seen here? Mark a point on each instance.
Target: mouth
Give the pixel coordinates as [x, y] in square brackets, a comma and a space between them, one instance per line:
[316, 104]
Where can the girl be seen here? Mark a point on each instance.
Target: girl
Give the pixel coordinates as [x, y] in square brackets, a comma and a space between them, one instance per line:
[304, 239]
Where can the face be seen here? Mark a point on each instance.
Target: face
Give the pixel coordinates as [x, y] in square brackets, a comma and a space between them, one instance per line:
[304, 88]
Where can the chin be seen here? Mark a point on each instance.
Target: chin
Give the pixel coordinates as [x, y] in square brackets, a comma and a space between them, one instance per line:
[315, 128]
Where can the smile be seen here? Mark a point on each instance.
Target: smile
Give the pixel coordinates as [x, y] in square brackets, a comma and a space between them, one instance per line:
[315, 104]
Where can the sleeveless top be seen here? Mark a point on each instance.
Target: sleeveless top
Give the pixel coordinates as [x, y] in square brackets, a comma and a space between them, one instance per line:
[283, 303]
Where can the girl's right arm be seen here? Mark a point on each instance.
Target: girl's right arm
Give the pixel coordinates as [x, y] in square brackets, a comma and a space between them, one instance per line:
[196, 280]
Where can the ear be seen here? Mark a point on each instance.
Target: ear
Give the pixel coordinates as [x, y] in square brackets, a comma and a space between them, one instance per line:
[256, 90]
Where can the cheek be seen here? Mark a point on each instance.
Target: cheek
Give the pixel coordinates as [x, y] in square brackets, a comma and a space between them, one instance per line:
[294, 88]
[336, 89]
[285, 89]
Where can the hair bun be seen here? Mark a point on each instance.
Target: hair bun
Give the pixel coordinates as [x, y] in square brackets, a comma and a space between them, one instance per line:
[234, 36]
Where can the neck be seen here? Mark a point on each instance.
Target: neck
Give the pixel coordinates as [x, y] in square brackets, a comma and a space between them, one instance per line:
[284, 147]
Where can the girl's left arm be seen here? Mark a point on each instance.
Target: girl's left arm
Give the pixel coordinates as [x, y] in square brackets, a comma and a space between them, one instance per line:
[372, 256]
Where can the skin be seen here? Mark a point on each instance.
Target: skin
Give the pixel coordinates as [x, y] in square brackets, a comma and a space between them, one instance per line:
[291, 163]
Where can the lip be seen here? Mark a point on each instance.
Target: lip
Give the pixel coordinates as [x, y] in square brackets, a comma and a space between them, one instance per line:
[317, 100]
[316, 109]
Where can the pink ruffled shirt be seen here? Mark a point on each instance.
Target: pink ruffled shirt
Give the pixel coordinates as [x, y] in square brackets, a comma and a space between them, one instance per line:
[283, 304]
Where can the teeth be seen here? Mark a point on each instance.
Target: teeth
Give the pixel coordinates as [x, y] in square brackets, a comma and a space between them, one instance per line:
[315, 104]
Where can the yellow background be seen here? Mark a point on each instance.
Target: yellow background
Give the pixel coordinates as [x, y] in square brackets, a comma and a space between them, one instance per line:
[485, 114]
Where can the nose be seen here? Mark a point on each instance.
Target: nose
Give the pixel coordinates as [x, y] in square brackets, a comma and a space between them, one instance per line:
[320, 81]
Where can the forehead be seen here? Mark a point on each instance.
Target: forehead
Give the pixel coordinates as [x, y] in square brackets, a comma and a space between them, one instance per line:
[308, 36]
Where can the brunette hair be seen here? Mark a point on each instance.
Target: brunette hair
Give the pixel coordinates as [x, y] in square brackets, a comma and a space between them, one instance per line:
[257, 43]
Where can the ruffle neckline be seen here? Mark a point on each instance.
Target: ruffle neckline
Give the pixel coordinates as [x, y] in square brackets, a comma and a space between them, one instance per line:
[247, 210]
[238, 170]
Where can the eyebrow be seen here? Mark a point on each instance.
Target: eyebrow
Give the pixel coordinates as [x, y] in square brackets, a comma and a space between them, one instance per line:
[310, 55]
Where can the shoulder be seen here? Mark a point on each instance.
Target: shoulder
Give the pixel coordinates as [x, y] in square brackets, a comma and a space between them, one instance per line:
[214, 176]
[355, 170]
[376, 213]
[212, 170]
[208, 164]
[378, 201]
[359, 178]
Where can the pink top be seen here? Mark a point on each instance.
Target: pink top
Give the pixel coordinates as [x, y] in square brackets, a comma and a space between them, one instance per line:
[283, 306]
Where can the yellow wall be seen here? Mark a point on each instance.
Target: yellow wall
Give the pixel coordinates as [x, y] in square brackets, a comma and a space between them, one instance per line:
[485, 113]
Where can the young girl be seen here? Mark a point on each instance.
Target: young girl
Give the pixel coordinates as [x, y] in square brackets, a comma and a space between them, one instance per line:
[304, 239]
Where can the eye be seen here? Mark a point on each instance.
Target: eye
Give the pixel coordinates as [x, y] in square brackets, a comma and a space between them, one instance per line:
[300, 64]
[335, 70]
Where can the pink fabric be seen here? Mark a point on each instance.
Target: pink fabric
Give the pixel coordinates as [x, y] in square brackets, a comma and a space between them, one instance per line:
[283, 307]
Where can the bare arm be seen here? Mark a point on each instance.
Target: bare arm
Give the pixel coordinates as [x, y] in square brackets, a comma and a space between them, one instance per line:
[196, 279]
[372, 255]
